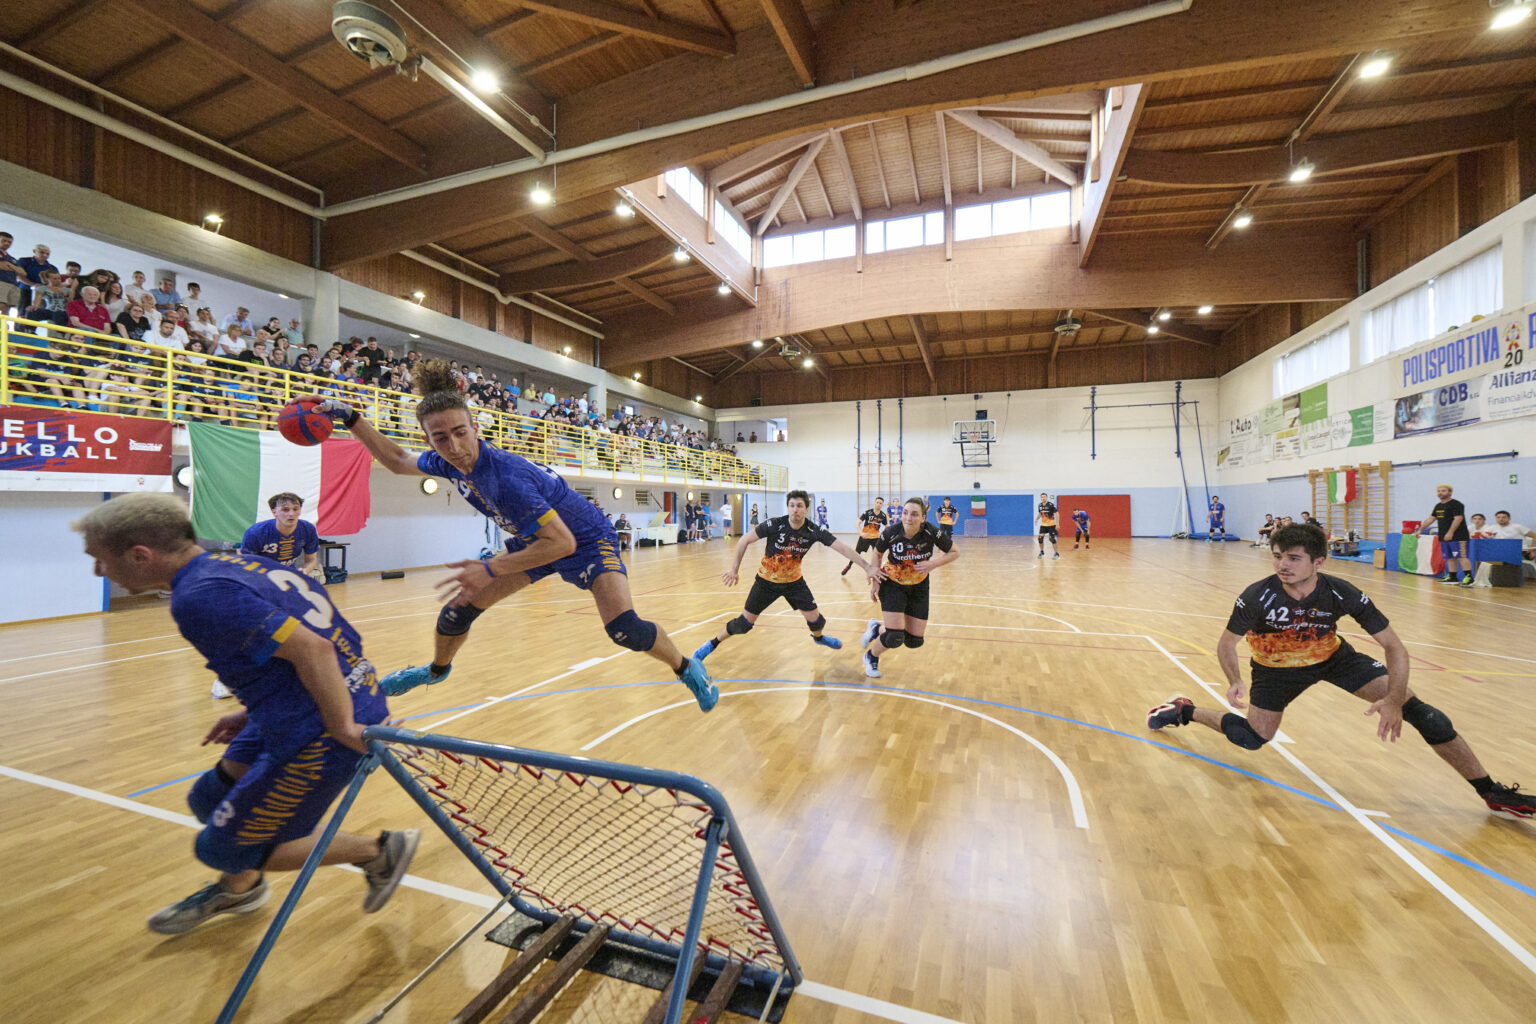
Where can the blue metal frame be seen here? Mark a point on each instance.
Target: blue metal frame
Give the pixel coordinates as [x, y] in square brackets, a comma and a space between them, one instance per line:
[378, 735]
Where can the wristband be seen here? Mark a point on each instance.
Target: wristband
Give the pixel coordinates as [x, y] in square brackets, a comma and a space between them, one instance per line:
[488, 570]
[351, 418]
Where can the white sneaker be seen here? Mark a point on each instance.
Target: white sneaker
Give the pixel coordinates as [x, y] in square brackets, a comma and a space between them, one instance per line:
[871, 666]
[220, 691]
[870, 632]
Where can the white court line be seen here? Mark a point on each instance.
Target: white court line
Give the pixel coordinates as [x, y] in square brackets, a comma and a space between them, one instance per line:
[869, 1005]
[1460, 902]
[1074, 794]
[94, 664]
[92, 647]
[972, 625]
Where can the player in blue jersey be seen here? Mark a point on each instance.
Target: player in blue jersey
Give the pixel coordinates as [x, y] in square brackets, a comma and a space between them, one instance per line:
[550, 529]
[285, 538]
[298, 668]
[1081, 520]
[821, 515]
[1217, 518]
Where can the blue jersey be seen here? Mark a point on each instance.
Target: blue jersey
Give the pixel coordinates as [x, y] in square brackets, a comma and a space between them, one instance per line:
[1218, 511]
[821, 515]
[236, 610]
[520, 496]
[1081, 519]
[266, 540]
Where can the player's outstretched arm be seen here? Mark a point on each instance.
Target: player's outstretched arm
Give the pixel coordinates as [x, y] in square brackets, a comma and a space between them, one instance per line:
[874, 572]
[553, 542]
[314, 658]
[1390, 707]
[390, 455]
[731, 575]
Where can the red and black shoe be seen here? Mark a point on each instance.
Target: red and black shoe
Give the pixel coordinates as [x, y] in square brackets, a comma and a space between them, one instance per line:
[1509, 802]
[1172, 713]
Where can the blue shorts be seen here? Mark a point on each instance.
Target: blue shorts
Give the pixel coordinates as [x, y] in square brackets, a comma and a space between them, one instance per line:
[1452, 549]
[278, 798]
[582, 567]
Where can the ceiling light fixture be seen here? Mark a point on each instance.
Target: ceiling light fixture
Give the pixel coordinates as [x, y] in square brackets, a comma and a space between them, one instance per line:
[637, 375]
[1153, 328]
[485, 80]
[1302, 171]
[725, 288]
[540, 195]
[413, 335]
[623, 209]
[809, 362]
[566, 350]
[680, 254]
[1243, 219]
[698, 398]
[281, 295]
[1165, 316]
[1376, 65]
[1513, 14]
[757, 342]
[419, 296]
[213, 221]
[1205, 310]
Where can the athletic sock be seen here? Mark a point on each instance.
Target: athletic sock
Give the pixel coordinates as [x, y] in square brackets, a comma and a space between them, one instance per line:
[713, 643]
[1483, 785]
[680, 669]
[1186, 714]
[440, 670]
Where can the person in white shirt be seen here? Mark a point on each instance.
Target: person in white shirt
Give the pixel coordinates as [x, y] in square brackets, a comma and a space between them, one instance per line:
[231, 342]
[1506, 530]
[1480, 527]
[136, 292]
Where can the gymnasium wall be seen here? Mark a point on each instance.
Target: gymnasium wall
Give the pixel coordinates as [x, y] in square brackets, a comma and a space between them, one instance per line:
[45, 571]
[1045, 444]
[1483, 485]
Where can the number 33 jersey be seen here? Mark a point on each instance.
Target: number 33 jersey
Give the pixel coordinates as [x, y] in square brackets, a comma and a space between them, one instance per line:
[1284, 632]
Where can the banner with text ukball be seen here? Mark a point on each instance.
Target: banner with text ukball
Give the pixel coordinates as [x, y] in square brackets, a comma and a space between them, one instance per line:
[64, 450]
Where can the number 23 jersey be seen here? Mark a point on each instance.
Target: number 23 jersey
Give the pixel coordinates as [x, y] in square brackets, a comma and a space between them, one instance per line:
[1286, 632]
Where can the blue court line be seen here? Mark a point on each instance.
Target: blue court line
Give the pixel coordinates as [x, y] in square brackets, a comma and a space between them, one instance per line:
[162, 785]
[1410, 837]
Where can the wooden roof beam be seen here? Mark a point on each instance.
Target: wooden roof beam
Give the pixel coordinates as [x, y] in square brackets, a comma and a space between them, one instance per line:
[590, 271]
[641, 291]
[1029, 151]
[796, 36]
[874, 147]
[949, 197]
[796, 173]
[753, 354]
[451, 41]
[1136, 318]
[231, 48]
[841, 153]
[1114, 148]
[921, 336]
[632, 23]
[758, 157]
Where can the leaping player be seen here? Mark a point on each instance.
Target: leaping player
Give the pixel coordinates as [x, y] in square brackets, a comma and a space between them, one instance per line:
[1046, 511]
[1081, 518]
[550, 529]
[909, 547]
[871, 521]
[1218, 519]
[1291, 621]
[789, 537]
[947, 516]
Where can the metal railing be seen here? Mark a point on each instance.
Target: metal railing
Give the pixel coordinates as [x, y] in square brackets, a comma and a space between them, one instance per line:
[44, 364]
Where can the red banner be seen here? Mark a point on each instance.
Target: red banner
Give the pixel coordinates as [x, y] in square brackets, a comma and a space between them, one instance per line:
[64, 450]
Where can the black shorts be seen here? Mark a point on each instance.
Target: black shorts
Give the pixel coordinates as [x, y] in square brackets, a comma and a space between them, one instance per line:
[908, 600]
[764, 593]
[1048, 531]
[947, 530]
[1348, 669]
[864, 544]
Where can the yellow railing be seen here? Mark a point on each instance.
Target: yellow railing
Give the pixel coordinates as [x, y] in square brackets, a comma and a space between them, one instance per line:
[43, 364]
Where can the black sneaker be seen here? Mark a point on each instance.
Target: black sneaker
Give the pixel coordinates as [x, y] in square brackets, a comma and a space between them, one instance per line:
[1466, 581]
[213, 900]
[1509, 802]
[1446, 579]
[1169, 713]
[385, 871]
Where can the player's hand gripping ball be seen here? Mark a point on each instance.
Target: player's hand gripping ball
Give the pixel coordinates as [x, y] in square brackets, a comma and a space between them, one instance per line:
[301, 424]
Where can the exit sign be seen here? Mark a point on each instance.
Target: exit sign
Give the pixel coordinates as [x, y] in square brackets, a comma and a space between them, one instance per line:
[1514, 478]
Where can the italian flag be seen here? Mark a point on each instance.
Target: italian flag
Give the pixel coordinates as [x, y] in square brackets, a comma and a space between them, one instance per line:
[1420, 553]
[978, 506]
[235, 471]
[1341, 487]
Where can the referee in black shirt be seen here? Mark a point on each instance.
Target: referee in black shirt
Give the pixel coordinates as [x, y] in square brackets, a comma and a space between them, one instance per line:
[1450, 516]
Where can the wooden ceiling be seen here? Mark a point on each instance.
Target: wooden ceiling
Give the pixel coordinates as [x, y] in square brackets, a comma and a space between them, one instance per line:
[266, 78]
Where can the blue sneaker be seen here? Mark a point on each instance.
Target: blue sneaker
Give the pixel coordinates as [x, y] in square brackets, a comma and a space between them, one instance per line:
[697, 680]
[705, 650]
[404, 680]
[829, 641]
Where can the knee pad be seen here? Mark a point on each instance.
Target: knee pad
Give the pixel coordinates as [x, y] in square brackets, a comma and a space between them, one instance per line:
[218, 849]
[1431, 722]
[456, 621]
[818, 624]
[893, 638]
[738, 626]
[210, 788]
[629, 630]
[913, 641]
[1238, 730]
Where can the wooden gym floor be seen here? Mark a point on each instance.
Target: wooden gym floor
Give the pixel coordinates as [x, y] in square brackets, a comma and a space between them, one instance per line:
[989, 833]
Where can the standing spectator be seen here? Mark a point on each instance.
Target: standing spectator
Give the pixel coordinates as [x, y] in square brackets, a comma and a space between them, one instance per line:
[240, 318]
[71, 280]
[136, 291]
[166, 295]
[1450, 516]
[33, 268]
[753, 438]
[295, 334]
[194, 293]
[11, 273]
[87, 313]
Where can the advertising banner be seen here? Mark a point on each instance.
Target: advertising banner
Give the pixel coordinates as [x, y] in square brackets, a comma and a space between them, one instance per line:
[1365, 425]
[1455, 405]
[1480, 347]
[1314, 404]
[65, 450]
[1268, 419]
[1509, 393]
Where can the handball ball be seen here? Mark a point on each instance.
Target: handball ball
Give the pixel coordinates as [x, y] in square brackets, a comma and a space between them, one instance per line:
[299, 423]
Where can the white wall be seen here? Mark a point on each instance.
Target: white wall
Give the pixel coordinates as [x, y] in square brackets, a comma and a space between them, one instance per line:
[45, 571]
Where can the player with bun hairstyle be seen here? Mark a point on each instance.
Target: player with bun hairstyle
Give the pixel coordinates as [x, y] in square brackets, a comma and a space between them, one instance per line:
[550, 528]
[913, 547]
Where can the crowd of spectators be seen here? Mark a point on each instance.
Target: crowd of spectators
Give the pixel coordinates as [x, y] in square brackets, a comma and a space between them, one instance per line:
[124, 375]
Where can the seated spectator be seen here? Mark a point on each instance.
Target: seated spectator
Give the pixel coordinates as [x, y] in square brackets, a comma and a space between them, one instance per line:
[33, 268]
[87, 313]
[753, 438]
[49, 300]
[71, 279]
[232, 342]
[132, 324]
[61, 373]
[295, 333]
[114, 299]
[1480, 527]
[194, 294]
[1506, 530]
[240, 318]
[204, 327]
[166, 296]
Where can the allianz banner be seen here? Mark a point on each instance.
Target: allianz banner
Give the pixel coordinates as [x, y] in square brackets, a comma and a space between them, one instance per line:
[1495, 343]
[63, 450]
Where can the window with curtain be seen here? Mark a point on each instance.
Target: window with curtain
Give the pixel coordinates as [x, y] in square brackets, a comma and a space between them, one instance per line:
[1406, 320]
[1467, 289]
[1319, 359]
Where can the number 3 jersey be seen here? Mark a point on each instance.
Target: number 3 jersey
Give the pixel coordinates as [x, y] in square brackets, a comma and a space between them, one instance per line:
[1284, 632]
[236, 610]
[787, 546]
[903, 552]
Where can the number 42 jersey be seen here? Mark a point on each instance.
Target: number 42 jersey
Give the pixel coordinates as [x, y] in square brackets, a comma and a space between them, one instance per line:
[1286, 632]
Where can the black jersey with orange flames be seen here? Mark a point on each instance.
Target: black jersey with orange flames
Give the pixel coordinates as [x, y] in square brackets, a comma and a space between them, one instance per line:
[903, 552]
[871, 523]
[1284, 632]
[947, 514]
[786, 546]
